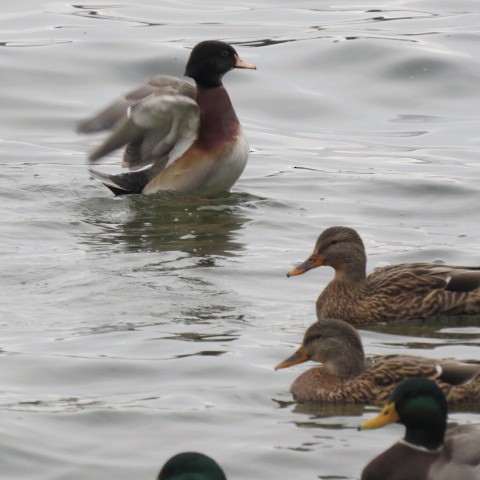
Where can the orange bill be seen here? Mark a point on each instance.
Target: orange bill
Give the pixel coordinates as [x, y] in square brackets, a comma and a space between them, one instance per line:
[299, 356]
[315, 260]
[239, 63]
[386, 416]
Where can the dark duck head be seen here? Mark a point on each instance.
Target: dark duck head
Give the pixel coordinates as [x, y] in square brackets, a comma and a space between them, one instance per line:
[420, 405]
[211, 60]
[190, 466]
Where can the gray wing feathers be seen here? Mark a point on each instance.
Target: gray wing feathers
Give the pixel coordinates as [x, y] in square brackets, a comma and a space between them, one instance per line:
[159, 130]
[460, 457]
[158, 122]
[127, 132]
[458, 373]
[463, 280]
[159, 85]
[105, 119]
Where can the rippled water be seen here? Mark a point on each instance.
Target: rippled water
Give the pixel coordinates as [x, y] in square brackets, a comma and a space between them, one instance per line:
[133, 328]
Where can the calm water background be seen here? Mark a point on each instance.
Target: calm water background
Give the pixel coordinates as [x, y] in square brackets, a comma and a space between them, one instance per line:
[133, 328]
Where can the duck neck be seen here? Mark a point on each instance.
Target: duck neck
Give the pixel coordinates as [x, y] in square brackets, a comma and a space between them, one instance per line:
[218, 121]
[428, 432]
[347, 368]
[348, 361]
[205, 78]
[354, 272]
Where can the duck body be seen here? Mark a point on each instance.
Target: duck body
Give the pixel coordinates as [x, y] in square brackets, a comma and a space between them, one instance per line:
[454, 460]
[381, 374]
[216, 158]
[431, 449]
[386, 465]
[396, 292]
[460, 456]
[179, 137]
[400, 292]
[347, 376]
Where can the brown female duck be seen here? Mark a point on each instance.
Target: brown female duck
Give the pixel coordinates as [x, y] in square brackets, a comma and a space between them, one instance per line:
[347, 376]
[396, 292]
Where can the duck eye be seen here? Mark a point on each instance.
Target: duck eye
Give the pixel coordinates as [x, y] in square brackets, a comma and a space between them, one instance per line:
[314, 337]
[333, 242]
[225, 53]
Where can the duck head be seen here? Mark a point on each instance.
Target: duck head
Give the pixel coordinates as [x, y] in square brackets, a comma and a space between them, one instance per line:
[210, 60]
[340, 248]
[191, 465]
[335, 344]
[420, 405]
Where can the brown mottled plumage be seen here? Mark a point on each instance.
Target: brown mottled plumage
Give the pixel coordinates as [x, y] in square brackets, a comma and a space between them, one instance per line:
[396, 292]
[347, 376]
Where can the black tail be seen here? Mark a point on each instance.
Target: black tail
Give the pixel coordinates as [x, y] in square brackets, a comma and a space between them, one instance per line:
[124, 183]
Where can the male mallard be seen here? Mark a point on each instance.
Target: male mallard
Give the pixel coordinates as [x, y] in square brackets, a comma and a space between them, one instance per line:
[347, 376]
[429, 449]
[191, 466]
[404, 291]
[178, 136]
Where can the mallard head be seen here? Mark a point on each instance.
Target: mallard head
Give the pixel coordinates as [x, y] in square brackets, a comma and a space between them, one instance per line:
[211, 60]
[420, 405]
[191, 466]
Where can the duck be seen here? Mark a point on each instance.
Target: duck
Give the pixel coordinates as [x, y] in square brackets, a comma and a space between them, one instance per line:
[430, 449]
[178, 136]
[191, 466]
[396, 292]
[348, 376]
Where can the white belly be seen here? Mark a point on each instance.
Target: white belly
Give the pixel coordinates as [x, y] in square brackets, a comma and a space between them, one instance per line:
[227, 168]
[203, 175]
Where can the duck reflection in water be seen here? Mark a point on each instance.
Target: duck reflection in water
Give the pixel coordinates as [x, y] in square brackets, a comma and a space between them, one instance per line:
[169, 222]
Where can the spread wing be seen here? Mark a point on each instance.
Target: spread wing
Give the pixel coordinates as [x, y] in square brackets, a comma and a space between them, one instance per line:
[110, 115]
[157, 123]
[158, 130]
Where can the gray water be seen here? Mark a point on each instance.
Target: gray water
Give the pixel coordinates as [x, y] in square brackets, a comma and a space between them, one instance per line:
[134, 328]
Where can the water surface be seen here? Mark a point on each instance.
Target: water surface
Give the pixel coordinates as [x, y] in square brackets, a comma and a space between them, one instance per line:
[134, 328]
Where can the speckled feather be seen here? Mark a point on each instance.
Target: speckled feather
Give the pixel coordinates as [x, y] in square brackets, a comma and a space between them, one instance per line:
[399, 292]
[396, 292]
[348, 376]
[377, 381]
